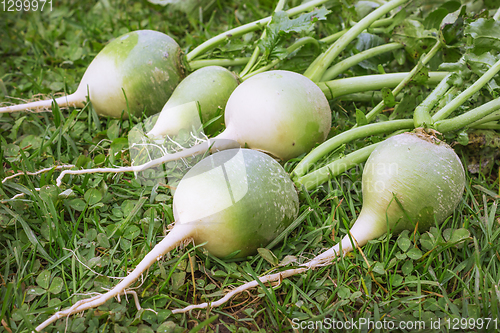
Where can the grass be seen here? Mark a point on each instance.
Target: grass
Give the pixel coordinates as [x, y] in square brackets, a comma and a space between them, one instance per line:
[50, 238]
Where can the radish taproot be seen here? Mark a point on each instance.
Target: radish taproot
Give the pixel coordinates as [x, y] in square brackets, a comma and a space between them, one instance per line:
[278, 112]
[233, 201]
[211, 87]
[135, 72]
[410, 181]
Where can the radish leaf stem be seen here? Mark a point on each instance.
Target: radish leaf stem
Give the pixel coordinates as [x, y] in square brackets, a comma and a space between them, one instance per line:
[424, 60]
[246, 28]
[339, 87]
[348, 136]
[342, 66]
[463, 120]
[197, 64]
[313, 179]
[421, 115]
[466, 94]
[317, 68]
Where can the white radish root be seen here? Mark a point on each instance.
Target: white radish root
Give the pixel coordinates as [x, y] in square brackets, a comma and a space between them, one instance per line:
[74, 100]
[34, 173]
[325, 258]
[252, 284]
[212, 145]
[172, 240]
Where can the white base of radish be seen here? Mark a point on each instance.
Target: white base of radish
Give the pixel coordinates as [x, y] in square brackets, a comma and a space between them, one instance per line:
[174, 119]
[325, 258]
[103, 85]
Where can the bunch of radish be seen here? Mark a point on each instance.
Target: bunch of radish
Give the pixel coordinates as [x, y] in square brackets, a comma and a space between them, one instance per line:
[396, 183]
[411, 180]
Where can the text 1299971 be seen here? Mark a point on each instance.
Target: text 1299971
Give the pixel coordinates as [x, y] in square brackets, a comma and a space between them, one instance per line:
[26, 5]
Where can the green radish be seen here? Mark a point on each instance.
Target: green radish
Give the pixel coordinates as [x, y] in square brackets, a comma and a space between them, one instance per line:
[211, 87]
[278, 112]
[413, 171]
[135, 72]
[410, 180]
[233, 202]
[252, 199]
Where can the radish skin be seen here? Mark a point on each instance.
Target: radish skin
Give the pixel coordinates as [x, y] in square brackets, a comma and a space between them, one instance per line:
[422, 172]
[233, 202]
[143, 64]
[279, 112]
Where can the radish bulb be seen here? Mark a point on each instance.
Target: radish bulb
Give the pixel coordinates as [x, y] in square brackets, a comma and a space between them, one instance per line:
[143, 65]
[415, 171]
[421, 172]
[235, 201]
[211, 87]
[279, 112]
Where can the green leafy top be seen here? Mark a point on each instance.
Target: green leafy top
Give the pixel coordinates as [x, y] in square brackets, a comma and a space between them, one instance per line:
[485, 34]
[282, 27]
